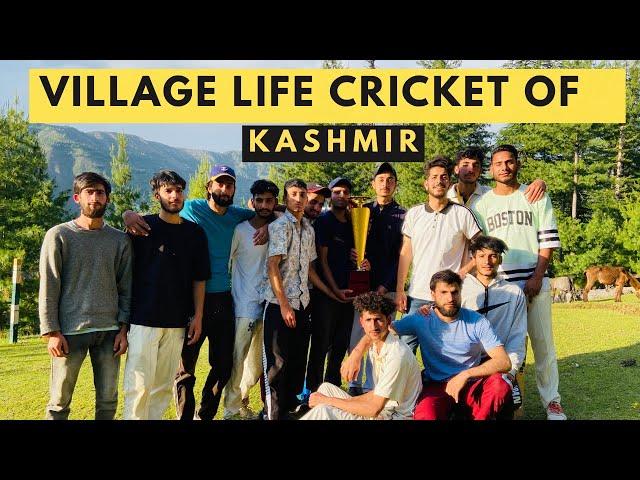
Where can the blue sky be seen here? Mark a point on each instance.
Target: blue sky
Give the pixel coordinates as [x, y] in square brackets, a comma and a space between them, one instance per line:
[216, 137]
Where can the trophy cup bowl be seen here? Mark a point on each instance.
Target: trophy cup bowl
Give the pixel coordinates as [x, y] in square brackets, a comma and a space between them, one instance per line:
[359, 279]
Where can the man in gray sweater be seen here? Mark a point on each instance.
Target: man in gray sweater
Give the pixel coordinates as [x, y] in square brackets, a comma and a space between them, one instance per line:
[84, 299]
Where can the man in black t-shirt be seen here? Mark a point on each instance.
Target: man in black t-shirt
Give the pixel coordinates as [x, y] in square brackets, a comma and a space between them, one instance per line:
[171, 266]
[330, 319]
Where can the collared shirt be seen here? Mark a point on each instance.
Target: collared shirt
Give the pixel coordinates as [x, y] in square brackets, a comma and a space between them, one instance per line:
[396, 376]
[296, 243]
[480, 190]
[384, 242]
[438, 241]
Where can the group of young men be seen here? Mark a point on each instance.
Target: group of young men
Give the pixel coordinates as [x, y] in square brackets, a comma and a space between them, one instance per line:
[270, 291]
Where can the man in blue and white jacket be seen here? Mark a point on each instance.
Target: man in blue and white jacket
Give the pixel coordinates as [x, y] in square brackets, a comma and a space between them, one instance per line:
[503, 303]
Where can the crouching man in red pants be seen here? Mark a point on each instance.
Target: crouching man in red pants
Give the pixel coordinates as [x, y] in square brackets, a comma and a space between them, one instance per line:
[452, 342]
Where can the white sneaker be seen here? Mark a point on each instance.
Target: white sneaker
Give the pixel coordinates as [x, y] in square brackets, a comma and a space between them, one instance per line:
[555, 412]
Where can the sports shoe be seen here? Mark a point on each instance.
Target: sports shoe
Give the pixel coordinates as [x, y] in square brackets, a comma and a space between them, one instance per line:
[297, 412]
[355, 391]
[555, 412]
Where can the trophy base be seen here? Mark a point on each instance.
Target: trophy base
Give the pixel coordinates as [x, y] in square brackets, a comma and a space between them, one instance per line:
[358, 282]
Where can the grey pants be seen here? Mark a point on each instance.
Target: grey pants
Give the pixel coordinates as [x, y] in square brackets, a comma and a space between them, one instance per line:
[65, 370]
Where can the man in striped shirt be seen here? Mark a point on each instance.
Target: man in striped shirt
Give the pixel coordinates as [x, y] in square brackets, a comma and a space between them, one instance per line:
[531, 233]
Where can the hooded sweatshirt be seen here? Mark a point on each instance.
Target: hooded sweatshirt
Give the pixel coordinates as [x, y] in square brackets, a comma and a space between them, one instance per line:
[505, 306]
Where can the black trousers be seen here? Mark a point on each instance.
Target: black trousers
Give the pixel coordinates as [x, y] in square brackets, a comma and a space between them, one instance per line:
[219, 326]
[331, 324]
[285, 350]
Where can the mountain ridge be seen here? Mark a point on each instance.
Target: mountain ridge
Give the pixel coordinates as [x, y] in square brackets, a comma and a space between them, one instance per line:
[70, 151]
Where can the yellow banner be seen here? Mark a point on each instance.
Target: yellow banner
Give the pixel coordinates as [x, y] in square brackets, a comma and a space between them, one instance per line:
[326, 96]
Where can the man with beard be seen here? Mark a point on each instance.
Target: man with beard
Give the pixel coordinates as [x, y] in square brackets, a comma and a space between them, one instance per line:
[84, 299]
[247, 266]
[218, 217]
[316, 194]
[171, 266]
[453, 341]
[531, 232]
[332, 319]
[435, 237]
[467, 191]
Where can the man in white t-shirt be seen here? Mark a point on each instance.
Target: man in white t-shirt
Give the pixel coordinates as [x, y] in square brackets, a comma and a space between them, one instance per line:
[435, 237]
[247, 264]
[396, 373]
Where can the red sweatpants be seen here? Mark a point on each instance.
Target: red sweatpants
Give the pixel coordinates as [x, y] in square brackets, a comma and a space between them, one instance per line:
[481, 399]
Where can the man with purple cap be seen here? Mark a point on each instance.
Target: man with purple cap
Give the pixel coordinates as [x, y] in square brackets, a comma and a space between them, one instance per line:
[218, 217]
[316, 194]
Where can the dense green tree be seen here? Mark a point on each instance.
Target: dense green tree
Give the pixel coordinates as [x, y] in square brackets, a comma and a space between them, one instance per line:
[440, 139]
[124, 196]
[629, 234]
[197, 184]
[28, 208]
[332, 64]
[591, 172]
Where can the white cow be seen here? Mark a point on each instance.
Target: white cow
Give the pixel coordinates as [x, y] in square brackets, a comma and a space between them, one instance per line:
[562, 289]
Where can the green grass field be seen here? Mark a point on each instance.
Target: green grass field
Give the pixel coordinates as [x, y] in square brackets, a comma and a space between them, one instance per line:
[591, 341]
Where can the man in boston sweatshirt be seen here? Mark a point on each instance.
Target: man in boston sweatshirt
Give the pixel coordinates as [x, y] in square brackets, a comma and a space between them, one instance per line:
[84, 299]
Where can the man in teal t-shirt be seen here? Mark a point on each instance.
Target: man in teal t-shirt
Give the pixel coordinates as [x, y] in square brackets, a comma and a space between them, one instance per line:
[218, 217]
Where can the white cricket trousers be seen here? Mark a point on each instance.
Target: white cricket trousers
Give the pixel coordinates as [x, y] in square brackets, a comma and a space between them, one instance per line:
[327, 412]
[544, 350]
[247, 363]
[153, 359]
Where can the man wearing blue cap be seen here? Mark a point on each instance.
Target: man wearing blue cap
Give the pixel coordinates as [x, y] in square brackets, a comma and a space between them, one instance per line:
[218, 217]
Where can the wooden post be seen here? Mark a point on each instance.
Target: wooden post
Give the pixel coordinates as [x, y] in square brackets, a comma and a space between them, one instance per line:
[15, 300]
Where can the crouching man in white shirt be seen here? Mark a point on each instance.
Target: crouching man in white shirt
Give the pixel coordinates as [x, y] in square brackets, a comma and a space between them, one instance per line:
[396, 373]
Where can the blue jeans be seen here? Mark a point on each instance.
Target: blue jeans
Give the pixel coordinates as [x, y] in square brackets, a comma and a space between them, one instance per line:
[65, 370]
[413, 304]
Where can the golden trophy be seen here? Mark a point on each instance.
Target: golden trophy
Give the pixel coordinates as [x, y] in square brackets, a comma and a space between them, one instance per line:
[359, 279]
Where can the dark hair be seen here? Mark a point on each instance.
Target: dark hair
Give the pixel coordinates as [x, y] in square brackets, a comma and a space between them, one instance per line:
[474, 153]
[505, 148]
[490, 243]
[264, 186]
[166, 177]
[439, 161]
[294, 182]
[445, 276]
[88, 179]
[374, 302]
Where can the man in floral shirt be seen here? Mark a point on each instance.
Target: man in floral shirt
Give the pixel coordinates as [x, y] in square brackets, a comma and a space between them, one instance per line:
[286, 318]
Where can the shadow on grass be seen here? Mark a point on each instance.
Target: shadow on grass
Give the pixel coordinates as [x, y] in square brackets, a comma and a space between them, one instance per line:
[593, 386]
